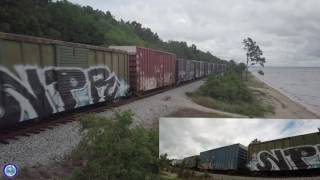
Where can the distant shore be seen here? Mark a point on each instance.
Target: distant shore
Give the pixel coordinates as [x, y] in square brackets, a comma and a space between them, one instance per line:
[284, 106]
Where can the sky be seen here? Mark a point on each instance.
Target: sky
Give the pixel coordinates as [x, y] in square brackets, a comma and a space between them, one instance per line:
[183, 137]
[286, 30]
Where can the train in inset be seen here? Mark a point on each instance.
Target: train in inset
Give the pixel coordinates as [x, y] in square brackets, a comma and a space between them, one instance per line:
[286, 156]
[227, 158]
[300, 152]
[40, 77]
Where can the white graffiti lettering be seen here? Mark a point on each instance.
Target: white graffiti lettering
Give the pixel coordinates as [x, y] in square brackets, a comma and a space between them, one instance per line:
[39, 92]
[292, 158]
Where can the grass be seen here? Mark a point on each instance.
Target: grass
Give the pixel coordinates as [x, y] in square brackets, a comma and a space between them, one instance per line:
[168, 176]
[253, 82]
[112, 149]
[230, 94]
[249, 109]
[188, 112]
[184, 174]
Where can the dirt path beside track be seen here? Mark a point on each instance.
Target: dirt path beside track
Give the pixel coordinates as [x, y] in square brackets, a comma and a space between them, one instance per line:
[148, 110]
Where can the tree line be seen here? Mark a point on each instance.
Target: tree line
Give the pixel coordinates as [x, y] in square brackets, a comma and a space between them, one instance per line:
[66, 21]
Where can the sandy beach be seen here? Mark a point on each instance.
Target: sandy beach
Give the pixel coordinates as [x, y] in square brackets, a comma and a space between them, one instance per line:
[284, 107]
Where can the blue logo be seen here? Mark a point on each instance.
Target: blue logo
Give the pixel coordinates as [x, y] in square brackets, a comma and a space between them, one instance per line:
[10, 170]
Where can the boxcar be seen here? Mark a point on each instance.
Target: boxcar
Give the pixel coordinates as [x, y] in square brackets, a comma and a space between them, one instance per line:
[191, 162]
[149, 69]
[192, 69]
[185, 70]
[293, 153]
[40, 77]
[220, 68]
[197, 69]
[201, 69]
[211, 68]
[232, 157]
[206, 68]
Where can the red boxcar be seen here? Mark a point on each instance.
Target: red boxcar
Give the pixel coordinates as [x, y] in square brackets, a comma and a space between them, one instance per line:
[149, 69]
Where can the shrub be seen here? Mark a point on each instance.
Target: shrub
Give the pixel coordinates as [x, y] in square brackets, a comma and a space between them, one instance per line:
[115, 150]
[227, 87]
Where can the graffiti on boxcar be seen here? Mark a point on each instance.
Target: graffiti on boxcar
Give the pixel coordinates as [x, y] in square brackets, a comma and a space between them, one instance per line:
[36, 92]
[293, 158]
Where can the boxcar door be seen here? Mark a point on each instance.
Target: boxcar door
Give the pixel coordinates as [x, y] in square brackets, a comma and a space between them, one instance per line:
[71, 75]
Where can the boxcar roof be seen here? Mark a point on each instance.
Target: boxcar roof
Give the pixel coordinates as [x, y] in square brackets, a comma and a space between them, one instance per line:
[285, 138]
[33, 39]
[194, 60]
[133, 49]
[191, 157]
[238, 144]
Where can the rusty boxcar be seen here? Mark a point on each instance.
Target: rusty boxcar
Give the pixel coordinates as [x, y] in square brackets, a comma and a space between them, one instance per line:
[40, 77]
[227, 158]
[292, 153]
[150, 69]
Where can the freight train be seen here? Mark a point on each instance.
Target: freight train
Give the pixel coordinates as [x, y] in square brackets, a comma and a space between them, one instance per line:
[41, 77]
[286, 156]
[227, 158]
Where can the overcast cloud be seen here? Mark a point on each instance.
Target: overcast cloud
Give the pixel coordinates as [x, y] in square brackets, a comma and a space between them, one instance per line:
[182, 137]
[286, 30]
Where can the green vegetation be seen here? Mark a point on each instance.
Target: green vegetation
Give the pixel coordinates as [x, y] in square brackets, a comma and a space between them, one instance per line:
[227, 92]
[66, 21]
[112, 149]
[254, 83]
[227, 88]
[189, 112]
[164, 175]
[164, 162]
[177, 173]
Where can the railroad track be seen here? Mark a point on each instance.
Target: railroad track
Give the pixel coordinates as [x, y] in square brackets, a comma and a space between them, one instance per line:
[39, 125]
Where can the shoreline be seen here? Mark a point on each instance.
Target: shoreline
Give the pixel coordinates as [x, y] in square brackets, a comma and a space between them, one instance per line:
[287, 95]
[284, 105]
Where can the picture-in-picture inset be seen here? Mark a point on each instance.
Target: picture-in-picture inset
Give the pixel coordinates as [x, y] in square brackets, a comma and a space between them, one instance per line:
[239, 148]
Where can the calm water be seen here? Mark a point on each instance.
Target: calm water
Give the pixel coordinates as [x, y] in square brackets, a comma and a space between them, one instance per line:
[298, 83]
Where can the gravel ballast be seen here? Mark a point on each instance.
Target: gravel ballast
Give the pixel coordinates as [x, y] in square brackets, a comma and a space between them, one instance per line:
[43, 148]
